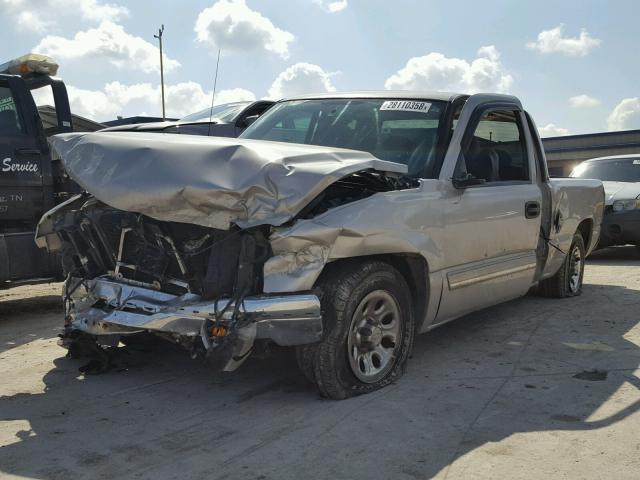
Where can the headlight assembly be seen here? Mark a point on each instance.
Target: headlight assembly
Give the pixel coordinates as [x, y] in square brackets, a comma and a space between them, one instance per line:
[622, 205]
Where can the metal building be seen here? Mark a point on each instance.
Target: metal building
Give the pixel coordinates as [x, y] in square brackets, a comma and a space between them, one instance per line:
[564, 153]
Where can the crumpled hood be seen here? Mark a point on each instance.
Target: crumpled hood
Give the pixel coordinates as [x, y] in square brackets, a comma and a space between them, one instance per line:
[207, 181]
[620, 191]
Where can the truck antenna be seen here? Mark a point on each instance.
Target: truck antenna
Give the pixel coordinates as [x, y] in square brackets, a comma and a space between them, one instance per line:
[159, 37]
[213, 94]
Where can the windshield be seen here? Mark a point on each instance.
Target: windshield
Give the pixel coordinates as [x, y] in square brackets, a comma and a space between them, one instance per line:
[623, 170]
[224, 113]
[402, 131]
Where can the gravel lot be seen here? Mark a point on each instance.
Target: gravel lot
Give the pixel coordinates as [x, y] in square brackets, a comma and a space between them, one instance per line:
[535, 388]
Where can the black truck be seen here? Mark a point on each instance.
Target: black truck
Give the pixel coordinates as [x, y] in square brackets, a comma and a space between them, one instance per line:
[31, 182]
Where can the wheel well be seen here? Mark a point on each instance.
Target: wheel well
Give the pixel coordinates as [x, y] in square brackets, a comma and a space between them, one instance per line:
[586, 229]
[411, 266]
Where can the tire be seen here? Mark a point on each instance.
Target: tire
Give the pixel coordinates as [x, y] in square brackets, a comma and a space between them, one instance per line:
[567, 282]
[369, 328]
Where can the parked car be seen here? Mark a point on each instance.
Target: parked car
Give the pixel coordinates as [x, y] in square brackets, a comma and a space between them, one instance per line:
[620, 176]
[341, 224]
[226, 120]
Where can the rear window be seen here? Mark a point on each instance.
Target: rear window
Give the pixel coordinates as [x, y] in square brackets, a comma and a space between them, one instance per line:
[10, 123]
[623, 170]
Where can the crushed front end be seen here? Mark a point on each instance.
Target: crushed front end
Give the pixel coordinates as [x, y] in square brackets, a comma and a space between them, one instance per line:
[196, 286]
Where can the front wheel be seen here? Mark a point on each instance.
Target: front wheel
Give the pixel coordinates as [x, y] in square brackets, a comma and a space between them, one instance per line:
[567, 282]
[369, 329]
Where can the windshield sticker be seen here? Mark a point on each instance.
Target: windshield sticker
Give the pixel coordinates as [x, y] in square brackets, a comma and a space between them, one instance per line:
[636, 162]
[406, 106]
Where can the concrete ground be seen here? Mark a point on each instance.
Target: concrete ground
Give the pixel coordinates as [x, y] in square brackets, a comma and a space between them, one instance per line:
[509, 392]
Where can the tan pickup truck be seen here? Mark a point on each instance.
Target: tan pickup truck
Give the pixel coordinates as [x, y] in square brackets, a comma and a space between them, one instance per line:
[340, 224]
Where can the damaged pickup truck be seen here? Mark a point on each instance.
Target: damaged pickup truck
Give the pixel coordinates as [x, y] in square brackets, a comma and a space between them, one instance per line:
[339, 224]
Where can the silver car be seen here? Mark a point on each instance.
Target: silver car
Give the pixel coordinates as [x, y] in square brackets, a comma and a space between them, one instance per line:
[620, 176]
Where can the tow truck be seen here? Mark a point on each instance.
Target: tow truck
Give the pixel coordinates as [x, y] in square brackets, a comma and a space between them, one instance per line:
[31, 181]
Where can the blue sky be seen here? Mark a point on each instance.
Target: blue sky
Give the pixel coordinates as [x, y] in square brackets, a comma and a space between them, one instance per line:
[272, 48]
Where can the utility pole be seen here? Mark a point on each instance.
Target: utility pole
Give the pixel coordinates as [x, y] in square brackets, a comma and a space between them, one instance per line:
[159, 37]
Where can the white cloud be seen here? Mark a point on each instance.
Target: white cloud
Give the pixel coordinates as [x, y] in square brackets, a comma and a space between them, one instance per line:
[31, 21]
[552, 130]
[438, 72]
[107, 42]
[299, 79]
[42, 15]
[144, 98]
[625, 116]
[332, 6]
[232, 25]
[583, 101]
[552, 41]
[232, 95]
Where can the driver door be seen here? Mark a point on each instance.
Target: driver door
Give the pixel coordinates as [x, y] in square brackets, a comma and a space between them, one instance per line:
[492, 228]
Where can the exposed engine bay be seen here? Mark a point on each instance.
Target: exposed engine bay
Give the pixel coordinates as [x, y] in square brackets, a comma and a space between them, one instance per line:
[171, 257]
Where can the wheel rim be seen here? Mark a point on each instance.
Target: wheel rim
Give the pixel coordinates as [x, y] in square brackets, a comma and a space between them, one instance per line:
[374, 336]
[575, 269]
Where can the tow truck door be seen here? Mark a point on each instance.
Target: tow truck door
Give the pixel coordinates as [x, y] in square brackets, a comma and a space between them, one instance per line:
[25, 185]
[22, 155]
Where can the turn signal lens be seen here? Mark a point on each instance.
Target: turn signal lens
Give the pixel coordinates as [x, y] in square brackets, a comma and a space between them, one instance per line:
[218, 331]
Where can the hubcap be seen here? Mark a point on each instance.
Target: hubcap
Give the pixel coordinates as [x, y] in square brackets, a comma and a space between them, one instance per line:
[575, 269]
[374, 336]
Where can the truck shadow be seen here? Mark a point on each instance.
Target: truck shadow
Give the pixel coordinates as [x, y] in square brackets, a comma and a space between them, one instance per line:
[531, 365]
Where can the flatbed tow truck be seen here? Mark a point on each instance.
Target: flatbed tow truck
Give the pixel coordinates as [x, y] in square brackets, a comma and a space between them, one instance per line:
[31, 181]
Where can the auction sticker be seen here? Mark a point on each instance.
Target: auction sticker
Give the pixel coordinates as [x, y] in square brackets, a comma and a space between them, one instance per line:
[406, 106]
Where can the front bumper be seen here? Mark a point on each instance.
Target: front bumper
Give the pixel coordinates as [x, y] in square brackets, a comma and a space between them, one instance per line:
[105, 307]
[620, 228]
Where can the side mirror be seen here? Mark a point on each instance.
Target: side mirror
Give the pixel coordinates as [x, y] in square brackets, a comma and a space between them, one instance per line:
[248, 121]
[467, 180]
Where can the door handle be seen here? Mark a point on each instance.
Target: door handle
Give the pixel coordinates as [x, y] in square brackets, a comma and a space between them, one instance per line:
[531, 209]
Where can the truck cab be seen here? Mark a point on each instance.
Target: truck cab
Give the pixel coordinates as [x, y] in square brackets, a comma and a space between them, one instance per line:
[30, 183]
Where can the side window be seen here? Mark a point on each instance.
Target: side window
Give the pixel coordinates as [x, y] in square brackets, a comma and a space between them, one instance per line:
[10, 122]
[497, 151]
[252, 114]
[46, 105]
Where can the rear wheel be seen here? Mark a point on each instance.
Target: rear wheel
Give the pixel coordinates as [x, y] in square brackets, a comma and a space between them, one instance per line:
[567, 282]
[369, 329]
